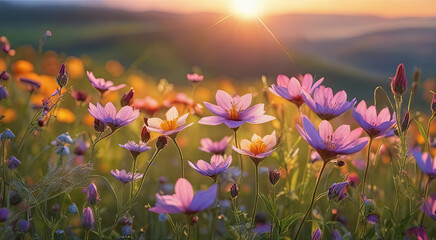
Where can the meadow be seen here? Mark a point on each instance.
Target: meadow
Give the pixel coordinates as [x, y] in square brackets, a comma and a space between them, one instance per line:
[100, 149]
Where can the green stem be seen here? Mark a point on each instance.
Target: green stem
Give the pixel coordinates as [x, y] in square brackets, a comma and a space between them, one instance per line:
[367, 165]
[133, 178]
[86, 234]
[99, 138]
[4, 174]
[241, 164]
[182, 163]
[312, 201]
[425, 197]
[256, 194]
[216, 211]
[427, 134]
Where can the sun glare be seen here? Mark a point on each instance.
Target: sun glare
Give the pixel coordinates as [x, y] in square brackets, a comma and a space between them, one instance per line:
[246, 8]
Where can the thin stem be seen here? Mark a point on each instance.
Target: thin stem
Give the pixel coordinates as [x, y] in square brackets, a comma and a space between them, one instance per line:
[241, 164]
[313, 199]
[256, 194]
[4, 174]
[99, 138]
[425, 197]
[133, 178]
[235, 211]
[427, 141]
[216, 211]
[182, 163]
[86, 234]
[367, 166]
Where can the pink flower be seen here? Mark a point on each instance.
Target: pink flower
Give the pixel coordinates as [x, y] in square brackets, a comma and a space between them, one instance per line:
[125, 177]
[234, 111]
[101, 85]
[291, 89]
[172, 125]
[147, 104]
[218, 164]
[429, 206]
[218, 147]
[109, 116]
[258, 148]
[380, 125]
[194, 78]
[184, 201]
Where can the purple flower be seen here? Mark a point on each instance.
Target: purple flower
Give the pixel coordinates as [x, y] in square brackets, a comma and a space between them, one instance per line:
[429, 206]
[135, 148]
[326, 105]
[172, 125]
[91, 193]
[13, 163]
[373, 218]
[101, 85]
[419, 233]
[331, 144]
[427, 165]
[125, 177]
[88, 218]
[23, 226]
[258, 148]
[338, 191]
[4, 214]
[399, 81]
[380, 125]
[262, 228]
[184, 201]
[317, 234]
[3, 93]
[336, 235]
[234, 111]
[218, 164]
[218, 147]
[194, 78]
[291, 89]
[32, 85]
[109, 116]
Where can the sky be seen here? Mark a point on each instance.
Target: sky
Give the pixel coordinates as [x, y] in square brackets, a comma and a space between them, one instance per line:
[387, 8]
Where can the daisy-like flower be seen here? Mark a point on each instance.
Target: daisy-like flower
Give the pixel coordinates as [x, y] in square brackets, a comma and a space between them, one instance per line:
[184, 201]
[291, 89]
[135, 148]
[109, 116]
[125, 177]
[234, 111]
[172, 125]
[101, 85]
[258, 148]
[429, 206]
[381, 125]
[426, 163]
[218, 147]
[331, 144]
[218, 164]
[326, 105]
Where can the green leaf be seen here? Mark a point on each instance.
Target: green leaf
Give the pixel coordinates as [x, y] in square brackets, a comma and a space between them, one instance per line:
[288, 221]
[270, 208]
[422, 131]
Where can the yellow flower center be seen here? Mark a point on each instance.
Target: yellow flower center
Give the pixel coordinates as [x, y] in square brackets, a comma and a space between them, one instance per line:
[169, 125]
[257, 147]
[233, 113]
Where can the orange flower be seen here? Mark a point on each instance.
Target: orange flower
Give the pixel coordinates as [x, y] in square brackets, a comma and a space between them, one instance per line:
[22, 66]
[75, 67]
[65, 115]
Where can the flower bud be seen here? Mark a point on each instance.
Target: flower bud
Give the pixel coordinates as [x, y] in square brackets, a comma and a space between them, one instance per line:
[433, 103]
[92, 194]
[13, 163]
[404, 124]
[72, 209]
[234, 190]
[62, 77]
[273, 176]
[338, 191]
[317, 234]
[63, 150]
[3, 93]
[399, 81]
[194, 78]
[145, 134]
[340, 163]
[22, 226]
[80, 96]
[64, 138]
[127, 98]
[373, 218]
[162, 141]
[126, 231]
[2, 75]
[193, 220]
[59, 235]
[88, 218]
[99, 126]
[4, 214]
[15, 198]
[7, 134]
[416, 77]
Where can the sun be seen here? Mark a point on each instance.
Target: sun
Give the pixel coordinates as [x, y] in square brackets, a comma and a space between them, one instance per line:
[246, 8]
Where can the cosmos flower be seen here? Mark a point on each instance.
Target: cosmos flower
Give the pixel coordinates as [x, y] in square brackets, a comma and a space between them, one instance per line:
[326, 105]
[429, 206]
[218, 164]
[194, 78]
[380, 125]
[234, 111]
[218, 147]
[291, 89]
[331, 144]
[147, 104]
[125, 177]
[101, 85]
[172, 125]
[32, 85]
[135, 148]
[109, 116]
[426, 163]
[338, 191]
[184, 201]
[399, 81]
[258, 148]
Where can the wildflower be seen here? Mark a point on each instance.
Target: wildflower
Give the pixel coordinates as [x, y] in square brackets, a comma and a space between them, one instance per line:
[15, 198]
[429, 206]
[218, 164]
[135, 148]
[181, 99]
[145, 134]
[23, 226]
[4, 214]
[125, 177]
[3, 75]
[234, 111]
[262, 228]
[418, 233]
[127, 98]
[184, 201]
[63, 150]
[99, 126]
[234, 190]
[64, 139]
[258, 148]
[317, 234]
[109, 116]
[88, 218]
[326, 105]
[80, 96]
[426, 163]
[194, 78]
[291, 89]
[172, 125]
[338, 191]
[62, 77]
[336, 235]
[399, 81]
[13, 163]
[380, 125]
[101, 85]
[273, 176]
[433, 103]
[147, 104]
[163, 217]
[161, 142]
[218, 147]
[405, 124]
[373, 218]
[72, 209]
[32, 85]
[91, 193]
[330, 144]
[7, 135]
[3, 93]
[126, 231]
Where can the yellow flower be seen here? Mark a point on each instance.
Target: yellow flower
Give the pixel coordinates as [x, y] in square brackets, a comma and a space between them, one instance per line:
[65, 115]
